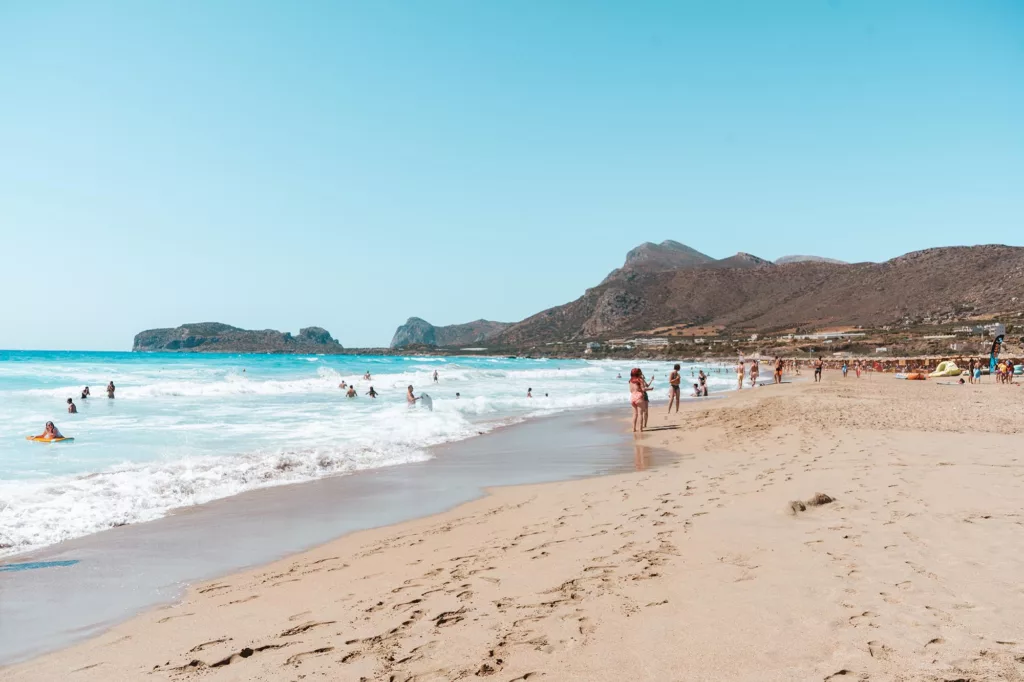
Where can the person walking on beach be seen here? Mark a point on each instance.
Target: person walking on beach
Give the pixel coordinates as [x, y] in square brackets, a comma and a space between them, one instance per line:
[779, 363]
[110, 390]
[818, 365]
[647, 397]
[85, 393]
[410, 398]
[638, 397]
[754, 371]
[739, 375]
[71, 407]
[856, 368]
[845, 368]
[673, 388]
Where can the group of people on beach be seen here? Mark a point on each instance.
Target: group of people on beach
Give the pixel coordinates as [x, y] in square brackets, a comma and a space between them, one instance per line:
[640, 386]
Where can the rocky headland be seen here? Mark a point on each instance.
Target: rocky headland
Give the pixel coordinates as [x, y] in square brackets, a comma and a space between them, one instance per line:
[417, 332]
[214, 337]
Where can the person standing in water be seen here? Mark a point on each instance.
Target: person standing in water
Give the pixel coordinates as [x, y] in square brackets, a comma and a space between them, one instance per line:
[435, 376]
[85, 393]
[410, 398]
[351, 392]
[71, 407]
[367, 375]
[372, 393]
[673, 388]
[529, 393]
[702, 378]
[110, 390]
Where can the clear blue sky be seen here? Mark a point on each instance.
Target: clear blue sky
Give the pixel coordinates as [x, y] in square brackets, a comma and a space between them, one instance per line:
[349, 164]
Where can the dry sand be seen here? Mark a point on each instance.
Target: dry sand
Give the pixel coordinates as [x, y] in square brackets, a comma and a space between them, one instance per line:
[699, 570]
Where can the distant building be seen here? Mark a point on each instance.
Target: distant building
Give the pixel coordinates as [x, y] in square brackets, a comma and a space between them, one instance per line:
[650, 342]
[593, 345]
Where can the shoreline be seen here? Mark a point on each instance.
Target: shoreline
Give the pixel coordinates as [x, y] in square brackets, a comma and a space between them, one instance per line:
[279, 521]
[908, 573]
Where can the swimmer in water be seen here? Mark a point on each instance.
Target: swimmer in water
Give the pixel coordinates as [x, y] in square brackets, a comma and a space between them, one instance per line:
[351, 392]
[110, 390]
[85, 393]
[71, 407]
[529, 393]
[50, 432]
[367, 375]
[343, 385]
[410, 398]
[372, 393]
[435, 376]
[456, 396]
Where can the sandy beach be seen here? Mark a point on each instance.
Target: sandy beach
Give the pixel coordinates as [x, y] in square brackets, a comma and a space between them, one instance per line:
[700, 569]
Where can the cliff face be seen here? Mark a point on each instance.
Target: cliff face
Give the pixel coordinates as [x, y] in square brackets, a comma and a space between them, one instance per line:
[419, 332]
[214, 337]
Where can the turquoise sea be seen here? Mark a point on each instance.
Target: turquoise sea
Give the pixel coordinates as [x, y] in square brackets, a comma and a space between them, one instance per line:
[188, 429]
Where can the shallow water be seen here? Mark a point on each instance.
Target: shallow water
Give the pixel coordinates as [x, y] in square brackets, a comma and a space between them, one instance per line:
[189, 429]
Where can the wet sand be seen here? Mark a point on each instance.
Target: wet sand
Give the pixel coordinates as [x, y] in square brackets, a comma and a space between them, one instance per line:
[697, 570]
[115, 574]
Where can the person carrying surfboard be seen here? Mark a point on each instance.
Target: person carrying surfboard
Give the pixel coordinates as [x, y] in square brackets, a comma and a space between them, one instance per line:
[410, 398]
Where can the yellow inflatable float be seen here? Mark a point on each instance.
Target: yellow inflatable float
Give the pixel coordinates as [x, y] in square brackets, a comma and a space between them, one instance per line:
[37, 439]
[947, 368]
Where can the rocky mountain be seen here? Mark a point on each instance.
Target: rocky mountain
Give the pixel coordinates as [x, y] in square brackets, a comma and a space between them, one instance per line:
[741, 260]
[419, 332]
[214, 337]
[670, 256]
[757, 296]
[651, 257]
[807, 259]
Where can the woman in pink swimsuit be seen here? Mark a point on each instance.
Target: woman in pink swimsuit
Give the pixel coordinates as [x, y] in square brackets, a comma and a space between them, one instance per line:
[638, 397]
